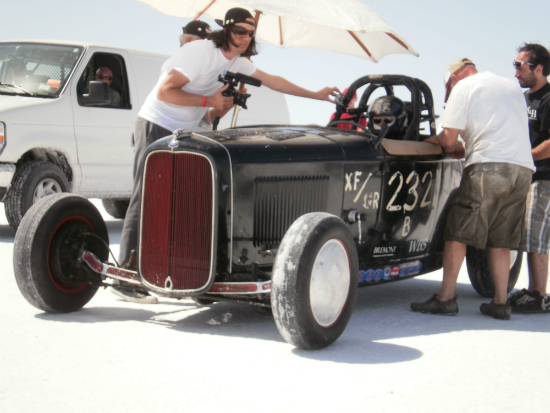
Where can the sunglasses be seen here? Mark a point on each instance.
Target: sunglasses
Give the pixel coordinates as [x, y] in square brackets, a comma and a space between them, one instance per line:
[104, 77]
[517, 63]
[241, 30]
[387, 120]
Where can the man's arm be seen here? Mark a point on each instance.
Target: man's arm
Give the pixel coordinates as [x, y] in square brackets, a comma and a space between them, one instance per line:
[170, 92]
[542, 151]
[448, 139]
[284, 86]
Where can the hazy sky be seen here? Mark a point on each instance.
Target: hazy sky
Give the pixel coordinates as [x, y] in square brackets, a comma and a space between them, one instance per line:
[488, 32]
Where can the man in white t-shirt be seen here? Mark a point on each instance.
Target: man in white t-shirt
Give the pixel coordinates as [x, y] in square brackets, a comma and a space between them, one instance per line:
[188, 86]
[194, 30]
[488, 112]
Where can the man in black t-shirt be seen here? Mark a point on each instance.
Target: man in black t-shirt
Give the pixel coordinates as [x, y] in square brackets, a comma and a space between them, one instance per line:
[532, 69]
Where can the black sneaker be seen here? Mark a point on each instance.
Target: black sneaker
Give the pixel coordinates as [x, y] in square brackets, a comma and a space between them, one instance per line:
[531, 303]
[517, 295]
[498, 311]
[434, 306]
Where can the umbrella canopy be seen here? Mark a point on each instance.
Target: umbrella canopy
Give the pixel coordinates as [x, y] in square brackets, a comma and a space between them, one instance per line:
[344, 26]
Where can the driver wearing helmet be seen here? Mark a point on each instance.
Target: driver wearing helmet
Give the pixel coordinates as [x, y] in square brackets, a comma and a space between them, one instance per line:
[391, 111]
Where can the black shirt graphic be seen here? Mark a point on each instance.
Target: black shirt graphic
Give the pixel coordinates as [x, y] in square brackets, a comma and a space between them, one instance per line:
[538, 109]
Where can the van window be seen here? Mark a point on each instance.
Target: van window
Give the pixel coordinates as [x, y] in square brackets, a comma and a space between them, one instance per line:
[110, 68]
[35, 69]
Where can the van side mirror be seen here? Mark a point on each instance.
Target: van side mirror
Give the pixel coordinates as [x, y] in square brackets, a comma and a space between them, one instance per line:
[98, 93]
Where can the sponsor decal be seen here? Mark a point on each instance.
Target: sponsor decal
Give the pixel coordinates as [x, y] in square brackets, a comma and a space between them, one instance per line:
[410, 268]
[395, 271]
[378, 274]
[416, 267]
[362, 276]
[384, 251]
[370, 274]
[387, 273]
[418, 245]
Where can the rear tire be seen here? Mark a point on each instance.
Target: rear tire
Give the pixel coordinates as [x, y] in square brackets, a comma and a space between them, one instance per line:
[32, 181]
[481, 275]
[46, 249]
[116, 207]
[314, 283]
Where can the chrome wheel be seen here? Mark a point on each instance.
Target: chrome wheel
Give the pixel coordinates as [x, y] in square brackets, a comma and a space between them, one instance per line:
[330, 280]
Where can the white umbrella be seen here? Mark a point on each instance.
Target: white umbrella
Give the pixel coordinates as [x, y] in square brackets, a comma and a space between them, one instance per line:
[344, 26]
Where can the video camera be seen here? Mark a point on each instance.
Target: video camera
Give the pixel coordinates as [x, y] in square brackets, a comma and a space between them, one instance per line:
[233, 79]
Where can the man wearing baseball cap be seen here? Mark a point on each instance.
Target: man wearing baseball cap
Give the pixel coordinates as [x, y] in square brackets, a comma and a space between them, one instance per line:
[106, 75]
[488, 112]
[187, 87]
[194, 30]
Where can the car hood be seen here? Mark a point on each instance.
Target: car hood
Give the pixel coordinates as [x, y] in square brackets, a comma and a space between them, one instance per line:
[8, 102]
[280, 144]
[26, 109]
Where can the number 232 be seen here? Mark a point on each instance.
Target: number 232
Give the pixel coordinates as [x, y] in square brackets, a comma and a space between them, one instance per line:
[413, 179]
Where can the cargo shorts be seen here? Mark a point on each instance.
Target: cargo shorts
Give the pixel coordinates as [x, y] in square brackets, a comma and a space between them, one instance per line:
[489, 206]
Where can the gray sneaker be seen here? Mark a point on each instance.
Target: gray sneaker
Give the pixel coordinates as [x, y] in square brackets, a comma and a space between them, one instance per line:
[134, 296]
[434, 306]
[498, 311]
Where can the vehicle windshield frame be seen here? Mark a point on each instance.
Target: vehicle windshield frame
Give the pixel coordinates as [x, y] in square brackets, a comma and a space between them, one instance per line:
[28, 53]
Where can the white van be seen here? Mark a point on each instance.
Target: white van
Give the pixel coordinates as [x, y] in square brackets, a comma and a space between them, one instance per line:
[56, 136]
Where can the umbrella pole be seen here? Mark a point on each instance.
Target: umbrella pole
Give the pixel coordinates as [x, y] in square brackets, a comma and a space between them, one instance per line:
[257, 17]
[236, 110]
[235, 116]
[203, 11]
[360, 44]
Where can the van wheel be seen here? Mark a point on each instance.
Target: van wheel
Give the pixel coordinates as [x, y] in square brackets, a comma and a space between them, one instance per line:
[32, 181]
[478, 263]
[116, 207]
[46, 263]
[314, 282]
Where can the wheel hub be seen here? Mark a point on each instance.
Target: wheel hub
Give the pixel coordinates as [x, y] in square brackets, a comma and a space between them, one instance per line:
[46, 187]
[330, 281]
[64, 254]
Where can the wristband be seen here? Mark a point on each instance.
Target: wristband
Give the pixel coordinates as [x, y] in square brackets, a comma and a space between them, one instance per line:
[204, 101]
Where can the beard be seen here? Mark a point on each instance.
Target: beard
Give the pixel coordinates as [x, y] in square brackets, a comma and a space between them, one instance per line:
[528, 81]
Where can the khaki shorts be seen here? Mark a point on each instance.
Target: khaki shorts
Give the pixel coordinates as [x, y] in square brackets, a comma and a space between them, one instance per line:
[489, 206]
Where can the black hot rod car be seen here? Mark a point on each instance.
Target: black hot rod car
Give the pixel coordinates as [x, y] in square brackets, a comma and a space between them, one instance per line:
[292, 218]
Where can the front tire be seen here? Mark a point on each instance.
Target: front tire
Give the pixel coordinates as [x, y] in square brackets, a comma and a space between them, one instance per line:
[32, 181]
[116, 207]
[46, 250]
[314, 283]
[481, 275]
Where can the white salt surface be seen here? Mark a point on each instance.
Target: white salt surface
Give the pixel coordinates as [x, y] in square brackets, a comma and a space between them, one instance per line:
[114, 356]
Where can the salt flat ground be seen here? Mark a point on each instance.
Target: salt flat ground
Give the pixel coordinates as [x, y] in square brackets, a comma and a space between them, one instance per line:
[114, 356]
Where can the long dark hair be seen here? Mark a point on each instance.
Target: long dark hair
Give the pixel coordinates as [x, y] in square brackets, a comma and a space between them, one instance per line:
[222, 38]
